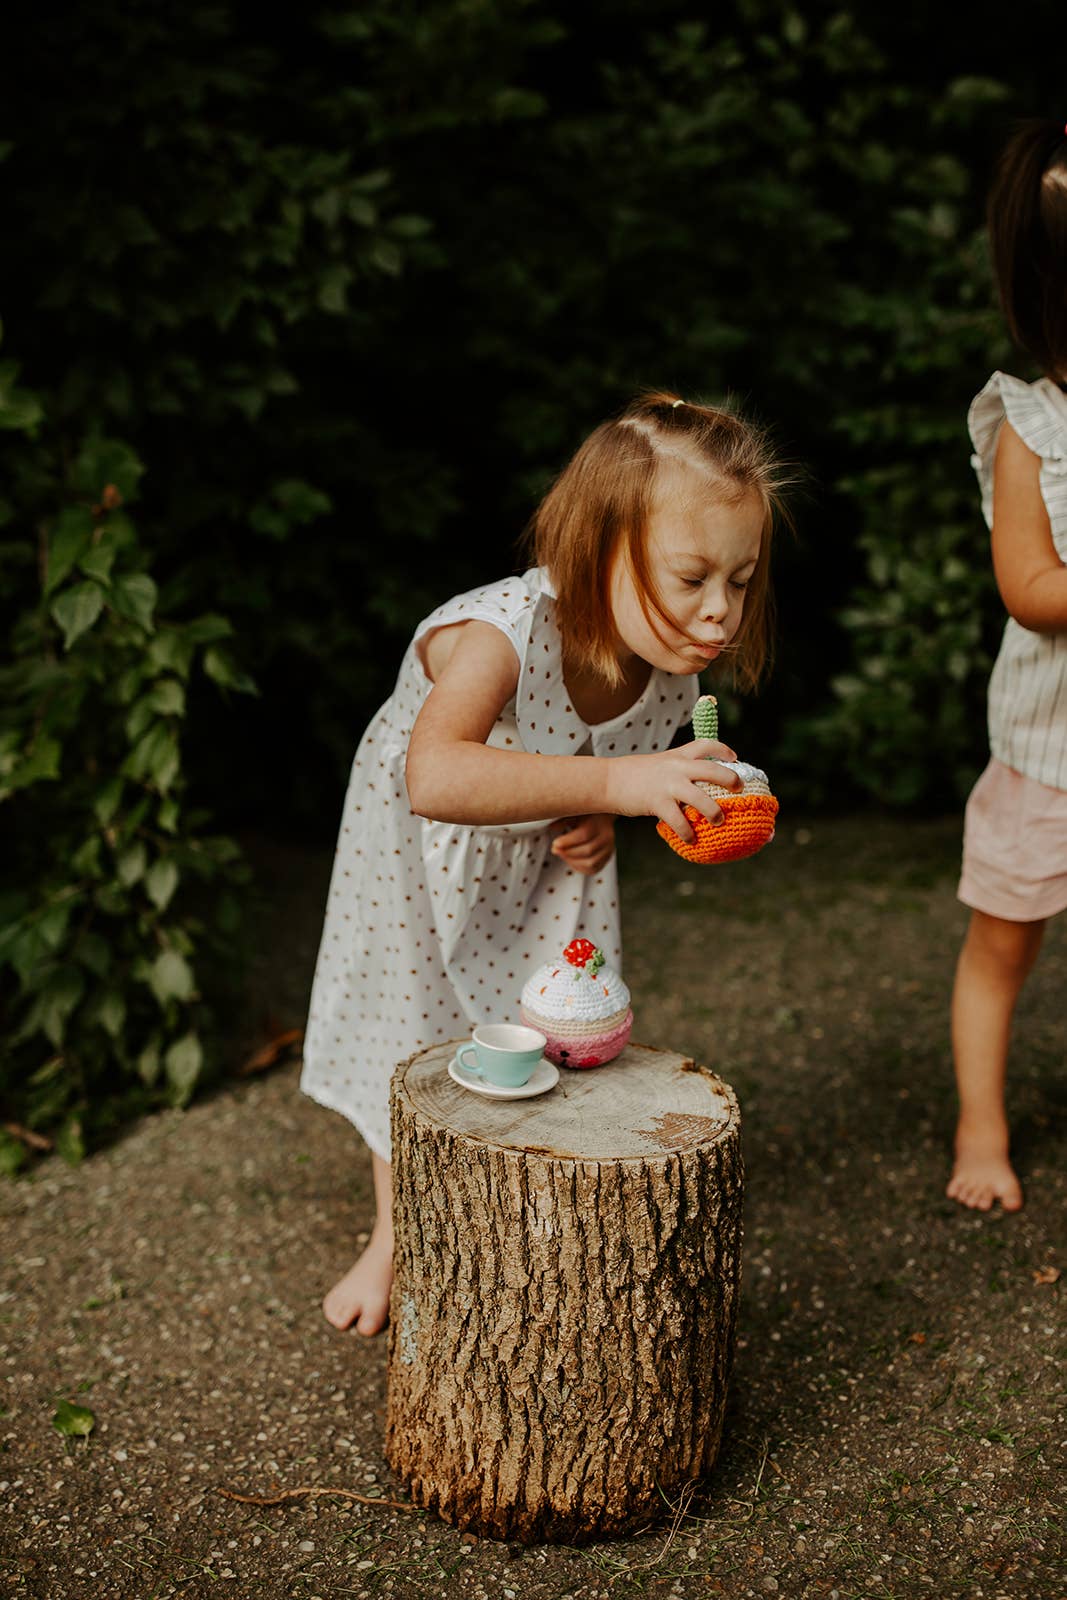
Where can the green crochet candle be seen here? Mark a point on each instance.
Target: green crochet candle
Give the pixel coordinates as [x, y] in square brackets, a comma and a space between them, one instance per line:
[748, 813]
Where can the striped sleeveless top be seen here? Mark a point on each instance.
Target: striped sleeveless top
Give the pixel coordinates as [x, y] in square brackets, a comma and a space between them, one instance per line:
[1028, 687]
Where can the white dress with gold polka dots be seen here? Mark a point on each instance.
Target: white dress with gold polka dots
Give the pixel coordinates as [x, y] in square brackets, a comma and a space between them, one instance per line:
[431, 927]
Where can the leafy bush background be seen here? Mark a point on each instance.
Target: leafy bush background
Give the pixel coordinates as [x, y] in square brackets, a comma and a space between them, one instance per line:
[349, 283]
[101, 920]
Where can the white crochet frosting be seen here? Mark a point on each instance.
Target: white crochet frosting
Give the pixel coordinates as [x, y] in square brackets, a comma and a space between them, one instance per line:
[561, 993]
[753, 780]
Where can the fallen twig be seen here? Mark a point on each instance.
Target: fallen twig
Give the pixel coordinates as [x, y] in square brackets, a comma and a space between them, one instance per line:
[26, 1136]
[269, 1053]
[306, 1491]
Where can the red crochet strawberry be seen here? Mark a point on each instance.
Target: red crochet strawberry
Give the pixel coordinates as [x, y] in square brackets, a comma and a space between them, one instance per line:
[579, 951]
[583, 952]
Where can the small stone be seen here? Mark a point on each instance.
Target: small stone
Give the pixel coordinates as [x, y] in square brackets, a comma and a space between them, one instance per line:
[769, 1585]
[305, 1545]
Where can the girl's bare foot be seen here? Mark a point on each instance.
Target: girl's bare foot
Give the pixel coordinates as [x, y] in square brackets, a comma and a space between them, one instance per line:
[362, 1295]
[981, 1176]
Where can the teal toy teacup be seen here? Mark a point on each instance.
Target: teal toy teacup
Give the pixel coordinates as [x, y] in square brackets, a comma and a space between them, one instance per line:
[504, 1053]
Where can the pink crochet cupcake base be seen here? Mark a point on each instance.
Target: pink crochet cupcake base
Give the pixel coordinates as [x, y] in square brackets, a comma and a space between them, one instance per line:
[585, 1049]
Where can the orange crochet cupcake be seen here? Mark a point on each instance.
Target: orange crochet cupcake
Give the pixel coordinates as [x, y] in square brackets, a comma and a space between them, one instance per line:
[748, 813]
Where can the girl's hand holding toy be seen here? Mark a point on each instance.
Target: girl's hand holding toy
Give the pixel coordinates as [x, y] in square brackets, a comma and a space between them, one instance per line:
[742, 820]
[671, 784]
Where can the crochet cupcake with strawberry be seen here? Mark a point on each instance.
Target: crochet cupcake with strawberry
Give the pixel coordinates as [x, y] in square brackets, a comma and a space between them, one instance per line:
[581, 1005]
[748, 813]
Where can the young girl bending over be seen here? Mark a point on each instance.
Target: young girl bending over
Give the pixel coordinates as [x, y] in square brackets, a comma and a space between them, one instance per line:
[1015, 834]
[478, 831]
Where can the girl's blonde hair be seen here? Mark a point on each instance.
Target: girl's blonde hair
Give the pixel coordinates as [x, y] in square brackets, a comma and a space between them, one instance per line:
[598, 510]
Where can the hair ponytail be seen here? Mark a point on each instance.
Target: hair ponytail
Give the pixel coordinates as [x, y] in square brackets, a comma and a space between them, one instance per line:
[1027, 217]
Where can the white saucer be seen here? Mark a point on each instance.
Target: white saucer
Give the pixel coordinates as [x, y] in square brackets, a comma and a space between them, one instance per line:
[545, 1076]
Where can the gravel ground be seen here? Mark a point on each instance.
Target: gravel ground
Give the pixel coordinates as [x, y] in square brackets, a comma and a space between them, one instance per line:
[897, 1416]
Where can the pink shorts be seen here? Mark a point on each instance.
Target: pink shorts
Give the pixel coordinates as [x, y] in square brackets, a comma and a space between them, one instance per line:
[1014, 847]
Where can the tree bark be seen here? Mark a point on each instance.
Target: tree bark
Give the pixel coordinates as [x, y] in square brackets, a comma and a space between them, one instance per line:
[563, 1311]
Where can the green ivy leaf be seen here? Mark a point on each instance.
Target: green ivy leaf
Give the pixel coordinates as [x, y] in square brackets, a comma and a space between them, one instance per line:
[86, 860]
[219, 665]
[170, 977]
[387, 258]
[54, 1004]
[183, 1062]
[129, 683]
[52, 925]
[77, 609]
[148, 1063]
[106, 803]
[135, 597]
[161, 882]
[131, 864]
[70, 537]
[206, 629]
[73, 1422]
[333, 290]
[110, 1012]
[168, 815]
[142, 715]
[155, 758]
[19, 410]
[70, 1142]
[170, 650]
[99, 559]
[410, 227]
[40, 764]
[13, 1154]
[168, 698]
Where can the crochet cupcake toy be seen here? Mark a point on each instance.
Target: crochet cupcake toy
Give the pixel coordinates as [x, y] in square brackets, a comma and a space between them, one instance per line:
[581, 1005]
[748, 813]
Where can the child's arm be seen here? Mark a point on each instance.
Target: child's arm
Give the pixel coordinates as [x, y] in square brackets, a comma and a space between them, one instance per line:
[1030, 575]
[454, 776]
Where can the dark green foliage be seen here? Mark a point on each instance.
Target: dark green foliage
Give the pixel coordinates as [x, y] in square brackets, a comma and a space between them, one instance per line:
[111, 889]
[352, 282]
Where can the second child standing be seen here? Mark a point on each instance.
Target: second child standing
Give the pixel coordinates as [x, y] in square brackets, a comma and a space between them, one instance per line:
[1015, 835]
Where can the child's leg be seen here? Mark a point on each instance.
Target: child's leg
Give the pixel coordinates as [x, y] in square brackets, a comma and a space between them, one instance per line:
[362, 1295]
[993, 964]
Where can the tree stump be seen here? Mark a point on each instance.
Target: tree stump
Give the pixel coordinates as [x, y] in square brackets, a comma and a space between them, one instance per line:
[563, 1311]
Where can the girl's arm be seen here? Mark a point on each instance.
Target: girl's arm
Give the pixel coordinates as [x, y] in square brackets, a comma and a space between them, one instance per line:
[1030, 575]
[454, 776]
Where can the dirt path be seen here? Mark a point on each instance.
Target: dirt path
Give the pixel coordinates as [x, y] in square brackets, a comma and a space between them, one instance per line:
[898, 1404]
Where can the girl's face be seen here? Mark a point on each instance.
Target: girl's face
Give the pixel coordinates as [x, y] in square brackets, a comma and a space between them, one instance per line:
[701, 554]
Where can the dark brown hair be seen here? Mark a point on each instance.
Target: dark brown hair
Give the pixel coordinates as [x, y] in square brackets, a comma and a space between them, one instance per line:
[599, 507]
[1028, 233]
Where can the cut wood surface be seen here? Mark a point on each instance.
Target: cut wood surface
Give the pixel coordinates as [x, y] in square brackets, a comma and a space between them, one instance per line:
[563, 1312]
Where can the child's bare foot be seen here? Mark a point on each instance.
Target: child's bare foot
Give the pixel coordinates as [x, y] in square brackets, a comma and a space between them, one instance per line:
[981, 1176]
[362, 1295]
